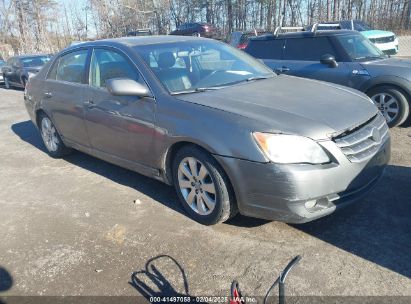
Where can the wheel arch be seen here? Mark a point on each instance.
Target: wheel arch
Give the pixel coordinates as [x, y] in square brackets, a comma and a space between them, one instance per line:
[400, 83]
[37, 115]
[171, 153]
[407, 93]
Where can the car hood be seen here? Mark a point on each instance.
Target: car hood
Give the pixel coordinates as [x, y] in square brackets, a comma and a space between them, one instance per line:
[292, 105]
[377, 34]
[391, 62]
[390, 66]
[35, 69]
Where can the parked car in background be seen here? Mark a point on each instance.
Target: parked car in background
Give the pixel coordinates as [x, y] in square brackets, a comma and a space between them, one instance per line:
[2, 63]
[220, 126]
[19, 69]
[195, 29]
[386, 41]
[342, 57]
[140, 32]
[240, 39]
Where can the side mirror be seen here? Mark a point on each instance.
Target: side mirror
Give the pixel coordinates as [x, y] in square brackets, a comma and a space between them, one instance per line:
[126, 87]
[329, 60]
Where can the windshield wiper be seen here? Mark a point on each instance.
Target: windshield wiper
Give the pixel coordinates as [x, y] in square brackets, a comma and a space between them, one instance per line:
[370, 57]
[196, 90]
[199, 90]
[258, 78]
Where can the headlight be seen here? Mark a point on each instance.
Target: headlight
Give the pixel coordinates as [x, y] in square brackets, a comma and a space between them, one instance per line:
[290, 149]
[30, 74]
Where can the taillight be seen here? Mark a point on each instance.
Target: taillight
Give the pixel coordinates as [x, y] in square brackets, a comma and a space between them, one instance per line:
[206, 28]
[242, 46]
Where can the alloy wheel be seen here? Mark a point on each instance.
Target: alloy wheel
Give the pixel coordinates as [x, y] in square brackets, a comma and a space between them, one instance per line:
[197, 186]
[49, 134]
[388, 105]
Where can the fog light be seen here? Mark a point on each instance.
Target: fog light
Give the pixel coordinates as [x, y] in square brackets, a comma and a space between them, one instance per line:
[310, 204]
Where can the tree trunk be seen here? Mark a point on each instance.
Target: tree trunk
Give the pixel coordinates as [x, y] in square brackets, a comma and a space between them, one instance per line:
[230, 15]
[328, 10]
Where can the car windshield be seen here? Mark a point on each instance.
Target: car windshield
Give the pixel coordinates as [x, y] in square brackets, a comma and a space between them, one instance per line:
[361, 26]
[195, 66]
[360, 48]
[34, 61]
[2, 63]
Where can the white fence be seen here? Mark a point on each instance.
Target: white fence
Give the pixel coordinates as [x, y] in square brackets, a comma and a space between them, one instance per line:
[404, 46]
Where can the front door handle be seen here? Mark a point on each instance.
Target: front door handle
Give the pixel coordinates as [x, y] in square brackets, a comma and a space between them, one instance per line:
[89, 103]
[48, 95]
[282, 70]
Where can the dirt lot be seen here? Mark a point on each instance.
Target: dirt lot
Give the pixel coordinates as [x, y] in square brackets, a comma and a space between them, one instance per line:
[80, 226]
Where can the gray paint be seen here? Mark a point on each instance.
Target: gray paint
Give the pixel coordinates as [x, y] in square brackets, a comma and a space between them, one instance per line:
[138, 133]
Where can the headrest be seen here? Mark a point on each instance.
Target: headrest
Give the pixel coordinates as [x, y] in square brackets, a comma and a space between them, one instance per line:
[166, 60]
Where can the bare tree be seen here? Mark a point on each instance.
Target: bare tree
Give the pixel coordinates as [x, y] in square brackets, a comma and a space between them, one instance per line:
[49, 25]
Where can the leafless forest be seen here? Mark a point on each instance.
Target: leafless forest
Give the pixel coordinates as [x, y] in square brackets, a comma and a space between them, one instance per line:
[49, 25]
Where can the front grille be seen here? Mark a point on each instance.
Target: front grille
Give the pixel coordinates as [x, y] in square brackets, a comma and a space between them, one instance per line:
[390, 52]
[383, 39]
[363, 143]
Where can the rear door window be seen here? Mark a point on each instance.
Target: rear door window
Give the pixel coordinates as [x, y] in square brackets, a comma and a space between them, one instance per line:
[71, 67]
[308, 49]
[266, 49]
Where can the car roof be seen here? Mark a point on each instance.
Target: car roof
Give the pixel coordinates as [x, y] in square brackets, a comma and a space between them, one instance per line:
[141, 40]
[303, 34]
[31, 55]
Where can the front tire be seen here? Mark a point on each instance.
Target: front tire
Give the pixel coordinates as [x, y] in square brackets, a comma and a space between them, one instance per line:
[202, 186]
[392, 103]
[51, 139]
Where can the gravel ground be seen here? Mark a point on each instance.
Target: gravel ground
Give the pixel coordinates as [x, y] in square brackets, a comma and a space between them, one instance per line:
[80, 226]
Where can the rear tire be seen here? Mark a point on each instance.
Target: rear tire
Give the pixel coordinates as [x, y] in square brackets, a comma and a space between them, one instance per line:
[51, 139]
[392, 103]
[7, 83]
[202, 186]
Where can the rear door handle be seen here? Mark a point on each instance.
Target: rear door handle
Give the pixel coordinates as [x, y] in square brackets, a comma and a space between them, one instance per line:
[48, 95]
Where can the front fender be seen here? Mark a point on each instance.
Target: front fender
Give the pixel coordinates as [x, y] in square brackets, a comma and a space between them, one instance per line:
[400, 82]
[217, 131]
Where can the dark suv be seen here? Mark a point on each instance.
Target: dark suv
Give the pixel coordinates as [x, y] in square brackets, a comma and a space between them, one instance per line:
[195, 29]
[240, 39]
[19, 69]
[342, 57]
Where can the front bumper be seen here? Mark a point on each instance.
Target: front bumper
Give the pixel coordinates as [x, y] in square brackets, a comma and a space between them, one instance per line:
[279, 192]
[390, 48]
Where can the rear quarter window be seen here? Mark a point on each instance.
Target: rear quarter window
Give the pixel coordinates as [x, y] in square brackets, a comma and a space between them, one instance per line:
[266, 49]
[308, 49]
